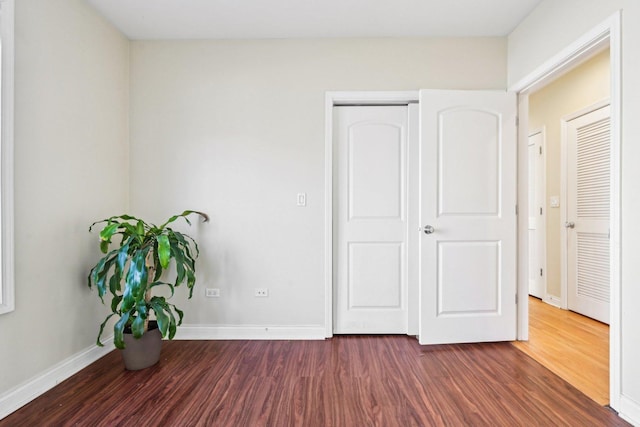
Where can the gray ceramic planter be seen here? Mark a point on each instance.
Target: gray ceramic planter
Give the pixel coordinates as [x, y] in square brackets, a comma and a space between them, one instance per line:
[143, 352]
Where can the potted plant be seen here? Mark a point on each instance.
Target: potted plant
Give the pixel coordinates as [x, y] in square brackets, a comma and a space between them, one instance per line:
[131, 271]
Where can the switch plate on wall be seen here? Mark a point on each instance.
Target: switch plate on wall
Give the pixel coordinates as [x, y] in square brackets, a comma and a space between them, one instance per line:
[301, 199]
[554, 201]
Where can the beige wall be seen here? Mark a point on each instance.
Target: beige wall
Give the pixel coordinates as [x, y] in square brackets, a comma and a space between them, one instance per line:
[580, 88]
[71, 154]
[237, 128]
[549, 29]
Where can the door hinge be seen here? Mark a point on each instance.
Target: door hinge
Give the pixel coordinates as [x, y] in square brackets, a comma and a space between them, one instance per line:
[540, 148]
[517, 121]
[540, 210]
[516, 209]
[516, 298]
[540, 272]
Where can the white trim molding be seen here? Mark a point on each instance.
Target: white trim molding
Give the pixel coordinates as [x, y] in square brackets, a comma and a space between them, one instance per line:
[19, 396]
[570, 57]
[250, 332]
[7, 287]
[629, 410]
[553, 300]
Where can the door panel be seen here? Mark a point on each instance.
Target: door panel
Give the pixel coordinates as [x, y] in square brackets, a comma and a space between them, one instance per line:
[375, 171]
[588, 205]
[375, 278]
[455, 296]
[468, 196]
[474, 192]
[370, 219]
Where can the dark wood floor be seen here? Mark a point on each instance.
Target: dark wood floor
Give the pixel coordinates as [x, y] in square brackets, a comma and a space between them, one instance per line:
[345, 381]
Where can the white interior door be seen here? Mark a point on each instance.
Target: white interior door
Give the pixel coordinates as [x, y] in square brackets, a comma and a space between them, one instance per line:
[588, 144]
[468, 207]
[536, 226]
[370, 219]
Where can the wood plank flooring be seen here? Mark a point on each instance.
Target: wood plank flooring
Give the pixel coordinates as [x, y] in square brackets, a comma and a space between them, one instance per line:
[345, 381]
[574, 347]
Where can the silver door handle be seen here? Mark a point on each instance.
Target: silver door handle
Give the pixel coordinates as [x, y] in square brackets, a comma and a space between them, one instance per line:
[570, 224]
[428, 229]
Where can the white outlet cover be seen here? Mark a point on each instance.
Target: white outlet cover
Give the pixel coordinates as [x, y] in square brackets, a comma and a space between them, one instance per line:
[261, 292]
[212, 292]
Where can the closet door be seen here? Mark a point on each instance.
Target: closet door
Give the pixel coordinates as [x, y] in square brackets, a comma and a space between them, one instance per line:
[371, 219]
[588, 145]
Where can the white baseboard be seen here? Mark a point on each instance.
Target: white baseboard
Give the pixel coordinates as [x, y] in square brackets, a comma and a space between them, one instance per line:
[553, 300]
[250, 332]
[17, 397]
[629, 411]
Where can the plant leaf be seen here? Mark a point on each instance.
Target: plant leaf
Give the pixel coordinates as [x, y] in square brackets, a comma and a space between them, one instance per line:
[184, 215]
[101, 273]
[172, 324]
[108, 231]
[136, 280]
[118, 331]
[114, 303]
[98, 342]
[137, 327]
[180, 314]
[164, 250]
[159, 306]
[114, 283]
[159, 269]
[185, 246]
[178, 255]
[191, 281]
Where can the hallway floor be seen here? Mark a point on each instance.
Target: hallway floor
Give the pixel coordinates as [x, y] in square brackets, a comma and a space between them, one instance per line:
[574, 347]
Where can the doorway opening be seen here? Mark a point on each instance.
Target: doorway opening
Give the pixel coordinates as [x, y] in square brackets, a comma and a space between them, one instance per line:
[600, 51]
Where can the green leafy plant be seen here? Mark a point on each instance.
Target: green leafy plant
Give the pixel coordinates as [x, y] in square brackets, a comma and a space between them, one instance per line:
[132, 270]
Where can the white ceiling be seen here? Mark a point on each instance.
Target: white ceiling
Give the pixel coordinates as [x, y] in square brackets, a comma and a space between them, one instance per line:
[242, 19]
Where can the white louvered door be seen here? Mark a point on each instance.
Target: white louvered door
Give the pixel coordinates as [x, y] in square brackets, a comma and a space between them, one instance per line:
[588, 207]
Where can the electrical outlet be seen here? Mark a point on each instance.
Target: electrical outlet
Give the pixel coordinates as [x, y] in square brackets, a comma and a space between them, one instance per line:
[262, 292]
[212, 293]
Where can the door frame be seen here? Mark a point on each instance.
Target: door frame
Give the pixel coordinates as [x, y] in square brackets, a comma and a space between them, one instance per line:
[606, 33]
[333, 99]
[541, 228]
[564, 195]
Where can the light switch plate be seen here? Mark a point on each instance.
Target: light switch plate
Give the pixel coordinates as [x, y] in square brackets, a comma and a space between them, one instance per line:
[301, 199]
[554, 201]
